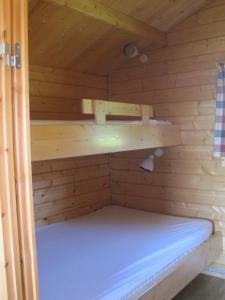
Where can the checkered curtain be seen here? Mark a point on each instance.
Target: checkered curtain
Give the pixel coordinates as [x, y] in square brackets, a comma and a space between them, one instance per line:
[220, 114]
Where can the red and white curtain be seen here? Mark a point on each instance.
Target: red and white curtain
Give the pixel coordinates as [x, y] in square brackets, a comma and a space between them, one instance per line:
[219, 144]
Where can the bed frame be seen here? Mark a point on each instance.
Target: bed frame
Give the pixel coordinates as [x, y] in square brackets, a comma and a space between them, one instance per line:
[187, 269]
[58, 139]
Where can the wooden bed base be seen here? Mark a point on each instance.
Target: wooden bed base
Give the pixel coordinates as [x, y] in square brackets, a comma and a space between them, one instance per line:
[187, 269]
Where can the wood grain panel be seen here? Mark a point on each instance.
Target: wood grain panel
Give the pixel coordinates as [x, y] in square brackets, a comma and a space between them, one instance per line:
[196, 93]
[205, 16]
[180, 82]
[56, 93]
[68, 140]
[195, 49]
[206, 77]
[74, 37]
[66, 188]
[117, 19]
[40, 73]
[11, 269]
[197, 33]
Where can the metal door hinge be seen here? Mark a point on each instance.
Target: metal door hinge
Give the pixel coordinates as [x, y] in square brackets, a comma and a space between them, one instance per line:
[11, 60]
[4, 49]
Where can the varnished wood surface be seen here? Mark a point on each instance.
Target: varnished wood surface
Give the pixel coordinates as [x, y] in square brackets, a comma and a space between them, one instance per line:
[117, 108]
[62, 37]
[180, 82]
[11, 271]
[55, 93]
[22, 154]
[117, 19]
[61, 141]
[203, 287]
[69, 188]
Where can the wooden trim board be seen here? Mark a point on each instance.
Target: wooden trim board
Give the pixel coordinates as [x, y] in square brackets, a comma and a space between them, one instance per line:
[21, 132]
[60, 141]
[8, 205]
[101, 108]
[116, 108]
[3, 278]
[189, 267]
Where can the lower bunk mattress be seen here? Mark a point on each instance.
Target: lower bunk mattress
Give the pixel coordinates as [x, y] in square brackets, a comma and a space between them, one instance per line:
[114, 253]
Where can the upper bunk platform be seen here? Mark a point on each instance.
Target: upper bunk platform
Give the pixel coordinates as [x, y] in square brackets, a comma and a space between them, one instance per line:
[60, 139]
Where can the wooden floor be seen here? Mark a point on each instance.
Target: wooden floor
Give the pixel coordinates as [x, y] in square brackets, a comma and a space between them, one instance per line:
[203, 287]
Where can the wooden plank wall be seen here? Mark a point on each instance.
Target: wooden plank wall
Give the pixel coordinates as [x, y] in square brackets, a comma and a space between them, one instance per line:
[55, 93]
[66, 188]
[180, 82]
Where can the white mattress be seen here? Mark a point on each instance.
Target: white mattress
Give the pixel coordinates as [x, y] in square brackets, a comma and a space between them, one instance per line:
[114, 253]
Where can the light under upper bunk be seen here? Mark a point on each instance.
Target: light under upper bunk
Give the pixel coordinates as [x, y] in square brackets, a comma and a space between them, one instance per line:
[60, 139]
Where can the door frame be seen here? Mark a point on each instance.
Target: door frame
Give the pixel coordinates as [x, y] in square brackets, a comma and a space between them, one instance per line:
[8, 209]
[16, 200]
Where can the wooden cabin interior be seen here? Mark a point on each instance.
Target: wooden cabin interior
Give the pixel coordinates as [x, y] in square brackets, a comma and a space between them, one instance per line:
[111, 185]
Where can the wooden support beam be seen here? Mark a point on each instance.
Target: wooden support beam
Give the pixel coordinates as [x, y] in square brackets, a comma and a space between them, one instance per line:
[59, 141]
[100, 112]
[110, 16]
[117, 108]
[146, 113]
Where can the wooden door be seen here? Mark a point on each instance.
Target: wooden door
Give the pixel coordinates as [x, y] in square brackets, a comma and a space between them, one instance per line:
[16, 203]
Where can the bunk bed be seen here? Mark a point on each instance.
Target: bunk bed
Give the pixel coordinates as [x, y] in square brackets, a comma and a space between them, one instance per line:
[60, 139]
[116, 253]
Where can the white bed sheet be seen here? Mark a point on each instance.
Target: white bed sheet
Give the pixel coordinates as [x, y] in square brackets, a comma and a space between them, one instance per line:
[114, 253]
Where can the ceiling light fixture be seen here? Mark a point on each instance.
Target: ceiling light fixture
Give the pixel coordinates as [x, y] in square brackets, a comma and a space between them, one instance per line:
[131, 51]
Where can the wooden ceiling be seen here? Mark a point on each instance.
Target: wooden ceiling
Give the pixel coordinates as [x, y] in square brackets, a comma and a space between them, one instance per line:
[89, 36]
